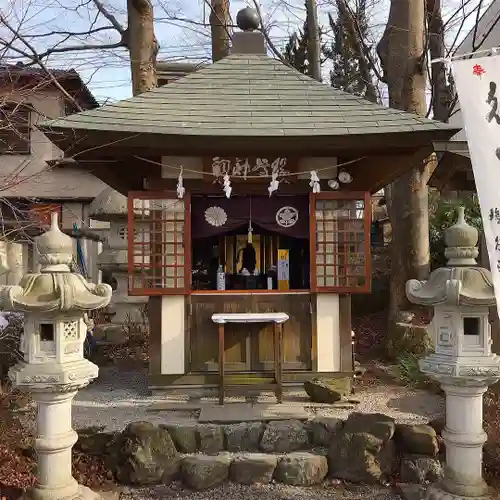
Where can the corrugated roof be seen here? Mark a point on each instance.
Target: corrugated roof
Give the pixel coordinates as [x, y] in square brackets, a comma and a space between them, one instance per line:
[247, 95]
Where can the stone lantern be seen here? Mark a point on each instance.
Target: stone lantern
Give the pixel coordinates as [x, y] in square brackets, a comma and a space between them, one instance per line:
[53, 368]
[111, 206]
[461, 294]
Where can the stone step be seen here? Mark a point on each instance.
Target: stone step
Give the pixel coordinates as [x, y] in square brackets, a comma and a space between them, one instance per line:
[367, 448]
[201, 472]
[247, 412]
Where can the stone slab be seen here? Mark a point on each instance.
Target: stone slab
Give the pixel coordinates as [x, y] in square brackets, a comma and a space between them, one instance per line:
[246, 412]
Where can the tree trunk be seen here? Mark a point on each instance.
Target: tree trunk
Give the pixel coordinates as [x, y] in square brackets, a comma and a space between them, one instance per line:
[219, 22]
[142, 45]
[442, 95]
[402, 51]
[313, 42]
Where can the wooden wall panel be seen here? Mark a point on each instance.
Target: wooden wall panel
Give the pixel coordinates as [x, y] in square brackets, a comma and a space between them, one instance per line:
[249, 347]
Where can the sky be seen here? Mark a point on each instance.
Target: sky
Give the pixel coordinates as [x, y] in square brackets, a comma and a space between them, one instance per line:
[181, 27]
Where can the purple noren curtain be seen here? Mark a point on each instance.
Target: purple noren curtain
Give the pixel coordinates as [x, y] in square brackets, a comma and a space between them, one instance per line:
[287, 215]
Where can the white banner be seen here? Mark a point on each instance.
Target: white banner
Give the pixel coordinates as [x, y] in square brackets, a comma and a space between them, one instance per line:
[478, 87]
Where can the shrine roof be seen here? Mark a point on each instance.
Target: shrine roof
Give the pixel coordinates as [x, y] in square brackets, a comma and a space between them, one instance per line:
[247, 95]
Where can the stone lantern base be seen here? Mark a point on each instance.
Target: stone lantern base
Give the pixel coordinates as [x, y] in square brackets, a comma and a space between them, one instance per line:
[464, 438]
[80, 493]
[53, 387]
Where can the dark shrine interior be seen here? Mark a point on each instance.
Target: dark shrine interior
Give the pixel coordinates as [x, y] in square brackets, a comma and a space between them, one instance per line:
[245, 242]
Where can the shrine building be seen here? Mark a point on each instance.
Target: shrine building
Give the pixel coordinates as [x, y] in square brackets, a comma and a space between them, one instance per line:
[249, 188]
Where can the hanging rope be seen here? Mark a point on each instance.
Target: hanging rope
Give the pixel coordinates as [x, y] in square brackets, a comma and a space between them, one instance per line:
[211, 174]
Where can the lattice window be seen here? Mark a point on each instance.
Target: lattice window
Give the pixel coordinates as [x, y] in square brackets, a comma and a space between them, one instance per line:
[340, 242]
[70, 330]
[159, 242]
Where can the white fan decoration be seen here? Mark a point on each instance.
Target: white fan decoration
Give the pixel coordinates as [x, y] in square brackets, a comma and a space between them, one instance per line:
[215, 216]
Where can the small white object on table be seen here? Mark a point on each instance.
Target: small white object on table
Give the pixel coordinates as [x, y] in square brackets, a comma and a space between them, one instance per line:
[278, 319]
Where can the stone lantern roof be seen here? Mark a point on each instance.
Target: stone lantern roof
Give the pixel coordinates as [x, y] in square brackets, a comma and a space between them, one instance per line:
[461, 282]
[109, 205]
[55, 287]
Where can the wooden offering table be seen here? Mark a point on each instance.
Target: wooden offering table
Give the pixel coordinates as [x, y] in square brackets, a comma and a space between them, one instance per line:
[278, 319]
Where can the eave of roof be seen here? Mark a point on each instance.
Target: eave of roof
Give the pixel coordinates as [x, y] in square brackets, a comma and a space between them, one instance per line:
[454, 169]
[251, 96]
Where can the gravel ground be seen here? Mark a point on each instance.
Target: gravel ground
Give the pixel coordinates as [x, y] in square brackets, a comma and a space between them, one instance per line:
[268, 492]
[119, 397]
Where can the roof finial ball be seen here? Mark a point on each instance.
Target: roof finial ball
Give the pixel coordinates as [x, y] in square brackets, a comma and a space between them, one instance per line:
[248, 19]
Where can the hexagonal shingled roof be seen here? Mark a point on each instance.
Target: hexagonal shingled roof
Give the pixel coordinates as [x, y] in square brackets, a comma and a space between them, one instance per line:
[246, 95]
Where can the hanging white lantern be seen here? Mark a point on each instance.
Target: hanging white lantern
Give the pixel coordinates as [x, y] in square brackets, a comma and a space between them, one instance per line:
[345, 177]
[333, 184]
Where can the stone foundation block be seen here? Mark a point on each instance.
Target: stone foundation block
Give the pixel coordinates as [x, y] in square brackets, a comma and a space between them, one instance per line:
[301, 469]
[284, 436]
[210, 438]
[257, 468]
[245, 436]
[202, 472]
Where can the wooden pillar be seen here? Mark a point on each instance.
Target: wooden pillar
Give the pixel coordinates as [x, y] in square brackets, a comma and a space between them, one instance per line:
[345, 327]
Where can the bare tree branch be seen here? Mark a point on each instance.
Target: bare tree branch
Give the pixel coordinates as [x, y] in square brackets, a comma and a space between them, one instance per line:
[71, 33]
[35, 57]
[269, 42]
[78, 48]
[110, 17]
[366, 62]
[363, 49]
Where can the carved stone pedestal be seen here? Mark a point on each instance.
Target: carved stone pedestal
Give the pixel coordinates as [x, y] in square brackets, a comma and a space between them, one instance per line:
[53, 445]
[464, 438]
